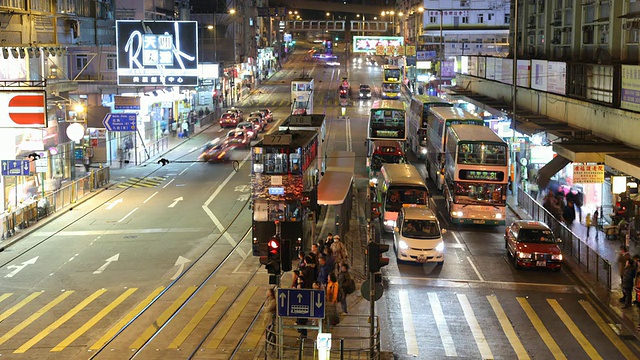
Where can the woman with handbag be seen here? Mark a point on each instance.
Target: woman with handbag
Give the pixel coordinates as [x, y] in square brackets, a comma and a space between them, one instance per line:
[332, 301]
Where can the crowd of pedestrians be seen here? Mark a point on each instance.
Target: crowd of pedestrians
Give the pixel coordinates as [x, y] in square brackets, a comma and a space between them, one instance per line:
[565, 206]
[629, 271]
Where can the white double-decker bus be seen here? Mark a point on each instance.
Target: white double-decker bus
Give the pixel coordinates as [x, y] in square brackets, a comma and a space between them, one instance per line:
[476, 175]
[417, 121]
[440, 119]
[302, 96]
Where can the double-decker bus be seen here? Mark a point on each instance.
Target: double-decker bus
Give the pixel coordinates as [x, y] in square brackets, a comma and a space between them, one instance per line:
[417, 121]
[387, 121]
[476, 175]
[284, 179]
[440, 118]
[391, 82]
[302, 96]
[312, 122]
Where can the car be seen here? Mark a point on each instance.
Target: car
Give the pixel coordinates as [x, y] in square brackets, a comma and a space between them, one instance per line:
[259, 125]
[248, 128]
[239, 113]
[299, 112]
[229, 119]
[532, 244]
[215, 151]
[238, 138]
[267, 114]
[259, 115]
[364, 92]
[417, 236]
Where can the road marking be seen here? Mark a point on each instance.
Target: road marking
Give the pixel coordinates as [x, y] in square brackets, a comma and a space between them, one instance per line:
[117, 327]
[175, 202]
[604, 327]
[441, 323]
[180, 261]
[428, 280]
[197, 318]
[163, 318]
[19, 305]
[349, 139]
[231, 317]
[9, 334]
[407, 324]
[167, 184]
[152, 195]
[94, 320]
[61, 320]
[126, 216]
[456, 237]
[475, 269]
[18, 268]
[106, 263]
[577, 334]
[541, 329]
[5, 296]
[114, 203]
[478, 336]
[508, 329]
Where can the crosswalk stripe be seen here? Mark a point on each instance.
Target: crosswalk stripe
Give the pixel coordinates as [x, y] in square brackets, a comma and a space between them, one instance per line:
[114, 329]
[481, 341]
[5, 296]
[197, 318]
[61, 320]
[606, 329]
[163, 318]
[507, 328]
[94, 320]
[541, 329]
[34, 317]
[231, 317]
[19, 305]
[441, 323]
[407, 324]
[573, 329]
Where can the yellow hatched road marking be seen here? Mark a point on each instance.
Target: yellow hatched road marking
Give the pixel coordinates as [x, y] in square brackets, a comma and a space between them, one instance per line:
[197, 318]
[231, 317]
[94, 320]
[19, 305]
[56, 324]
[541, 329]
[254, 336]
[112, 332]
[577, 334]
[163, 318]
[34, 317]
[521, 352]
[615, 340]
[5, 296]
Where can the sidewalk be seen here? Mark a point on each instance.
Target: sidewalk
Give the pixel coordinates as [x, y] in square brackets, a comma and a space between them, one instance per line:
[626, 319]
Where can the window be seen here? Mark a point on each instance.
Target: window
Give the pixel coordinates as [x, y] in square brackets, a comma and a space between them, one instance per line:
[465, 19]
[112, 60]
[480, 18]
[433, 19]
[81, 61]
[507, 18]
[489, 16]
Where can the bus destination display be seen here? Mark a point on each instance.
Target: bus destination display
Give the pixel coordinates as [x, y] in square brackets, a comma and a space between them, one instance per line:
[481, 175]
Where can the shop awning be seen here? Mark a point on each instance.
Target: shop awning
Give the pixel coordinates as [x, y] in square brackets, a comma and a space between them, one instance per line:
[628, 164]
[552, 168]
[590, 151]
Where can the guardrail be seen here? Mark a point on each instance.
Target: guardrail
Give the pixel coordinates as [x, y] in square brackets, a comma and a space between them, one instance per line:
[39, 207]
[573, 247]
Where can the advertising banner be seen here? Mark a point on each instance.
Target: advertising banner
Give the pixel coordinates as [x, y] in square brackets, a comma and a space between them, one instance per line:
[373, 43]
[157, 53]
[630, 94]
[557, 77]
[539, 75]
[583, 174]
[426, 55]
[126, 102]
[524, 73]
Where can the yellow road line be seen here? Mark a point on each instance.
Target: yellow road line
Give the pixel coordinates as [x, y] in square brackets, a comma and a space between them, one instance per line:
[5, 296]
[34, 317]
[231, 317]
[197, 318]
[577, 334]
[521, 352]
[112, 332]
[615, 340]
[163, 318]
[61, 320]
[94, 320]
[19, 305]
[541, 329]
[254, 336]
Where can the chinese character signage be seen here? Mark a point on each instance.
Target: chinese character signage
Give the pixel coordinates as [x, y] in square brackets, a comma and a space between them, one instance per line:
[380, 44]
[630, 92]
[157, 53]
[583, 174]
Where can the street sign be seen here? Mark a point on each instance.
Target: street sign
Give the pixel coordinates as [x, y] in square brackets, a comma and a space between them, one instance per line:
[301, 303]
[120, 122]
[365, 290]
[15, 167]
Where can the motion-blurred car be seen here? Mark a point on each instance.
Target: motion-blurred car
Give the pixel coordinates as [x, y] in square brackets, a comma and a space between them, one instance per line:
[238, 112]
[532, 244]
[215, 151]
[267, 114]
[259, 125]
[229, 119]
[248, 128]
[260, 115]
[238, 138]
[364, 92]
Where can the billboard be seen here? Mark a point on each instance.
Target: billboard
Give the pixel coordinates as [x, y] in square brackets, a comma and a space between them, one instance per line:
[539, 75]
[157, 53]
[557, 77]
[630, 88]
[524, 73]
[23, 109]
[371, 43]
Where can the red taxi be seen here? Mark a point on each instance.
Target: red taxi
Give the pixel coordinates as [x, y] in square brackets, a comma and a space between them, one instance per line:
[229, 119]
[532, 244]
[383, 152]
[238, 138]
[266, 114]
[248, 128]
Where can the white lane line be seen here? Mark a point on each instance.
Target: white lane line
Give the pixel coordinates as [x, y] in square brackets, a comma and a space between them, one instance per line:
[167, 184]
[183, 171]
[349, 139]
[472, 281]
[152, 195]
[478, 336]
[456, 237]
[441, 323]
[126, 216]
[508, 329]
[407, 324]
[475, 269]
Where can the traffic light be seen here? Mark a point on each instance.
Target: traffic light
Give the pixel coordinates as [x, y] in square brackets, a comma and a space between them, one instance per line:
[285, 255]
[343, 93]
[376, 261]
[273, 255]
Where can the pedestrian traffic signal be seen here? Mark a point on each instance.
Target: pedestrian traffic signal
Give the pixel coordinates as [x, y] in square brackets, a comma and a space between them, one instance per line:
[273, 255]
[376, 261]
[285, 255]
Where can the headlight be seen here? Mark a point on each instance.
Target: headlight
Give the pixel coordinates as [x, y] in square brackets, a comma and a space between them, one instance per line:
[391, 223]
[369, 95]
[423, 151]
[524, 255]
[556, 257]
[456, 213]
[361, 94]
[498, 216]
[440, 246]
[403, 245]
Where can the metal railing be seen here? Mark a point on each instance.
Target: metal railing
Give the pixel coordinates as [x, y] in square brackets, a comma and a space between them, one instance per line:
[573, 247]
[150, 150]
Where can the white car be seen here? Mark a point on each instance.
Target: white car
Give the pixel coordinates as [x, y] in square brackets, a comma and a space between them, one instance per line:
[417, 235]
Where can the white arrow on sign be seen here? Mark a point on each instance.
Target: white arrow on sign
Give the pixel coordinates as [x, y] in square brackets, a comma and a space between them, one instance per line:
[175, 202]
[113, 204]
[180, 262]
[319, 302]
[283, 297]
[20, 267]
[299, 297]
[107, 262]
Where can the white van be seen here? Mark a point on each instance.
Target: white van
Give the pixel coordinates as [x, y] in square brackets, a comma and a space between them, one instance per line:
[417, 235]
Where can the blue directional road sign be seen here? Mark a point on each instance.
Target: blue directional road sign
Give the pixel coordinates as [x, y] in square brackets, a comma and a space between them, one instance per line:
[301, 303]
[120, 122]
[15, 167]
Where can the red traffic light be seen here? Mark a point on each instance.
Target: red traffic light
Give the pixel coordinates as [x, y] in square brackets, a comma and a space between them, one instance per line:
[274, 245]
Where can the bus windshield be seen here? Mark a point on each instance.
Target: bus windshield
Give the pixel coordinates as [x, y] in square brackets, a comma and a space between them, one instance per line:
[398, 196]
[392, 75]
[482, 153]
[387, 123]
[377, 160]
[420, 229]
[390, 87]
[480, 193]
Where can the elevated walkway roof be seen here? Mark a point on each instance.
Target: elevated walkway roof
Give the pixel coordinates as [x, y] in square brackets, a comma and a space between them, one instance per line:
[336, 182]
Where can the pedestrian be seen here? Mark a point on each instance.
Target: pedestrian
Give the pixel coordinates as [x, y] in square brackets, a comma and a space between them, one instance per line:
[185, 129]
[323, 272]
[329, 241]
[587, 222]
[344, 283]
[295, 275]
[594, 221]
[174, 128]
[569, 213]
[339, 251]
[308, 272]
[315, 253]
[269, 317]
[628, 277]
[636, 260]
[623, 257]
[300, 259]
[331, 302]
[330, 260]
[120, 154]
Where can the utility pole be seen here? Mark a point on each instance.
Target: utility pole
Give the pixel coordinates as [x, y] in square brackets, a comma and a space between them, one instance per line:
[514, 183]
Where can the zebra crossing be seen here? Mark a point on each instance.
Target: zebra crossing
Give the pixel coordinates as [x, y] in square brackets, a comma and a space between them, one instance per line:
[141, 182]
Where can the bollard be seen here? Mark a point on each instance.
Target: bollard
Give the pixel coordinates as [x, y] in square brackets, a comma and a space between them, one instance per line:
[341, 348]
